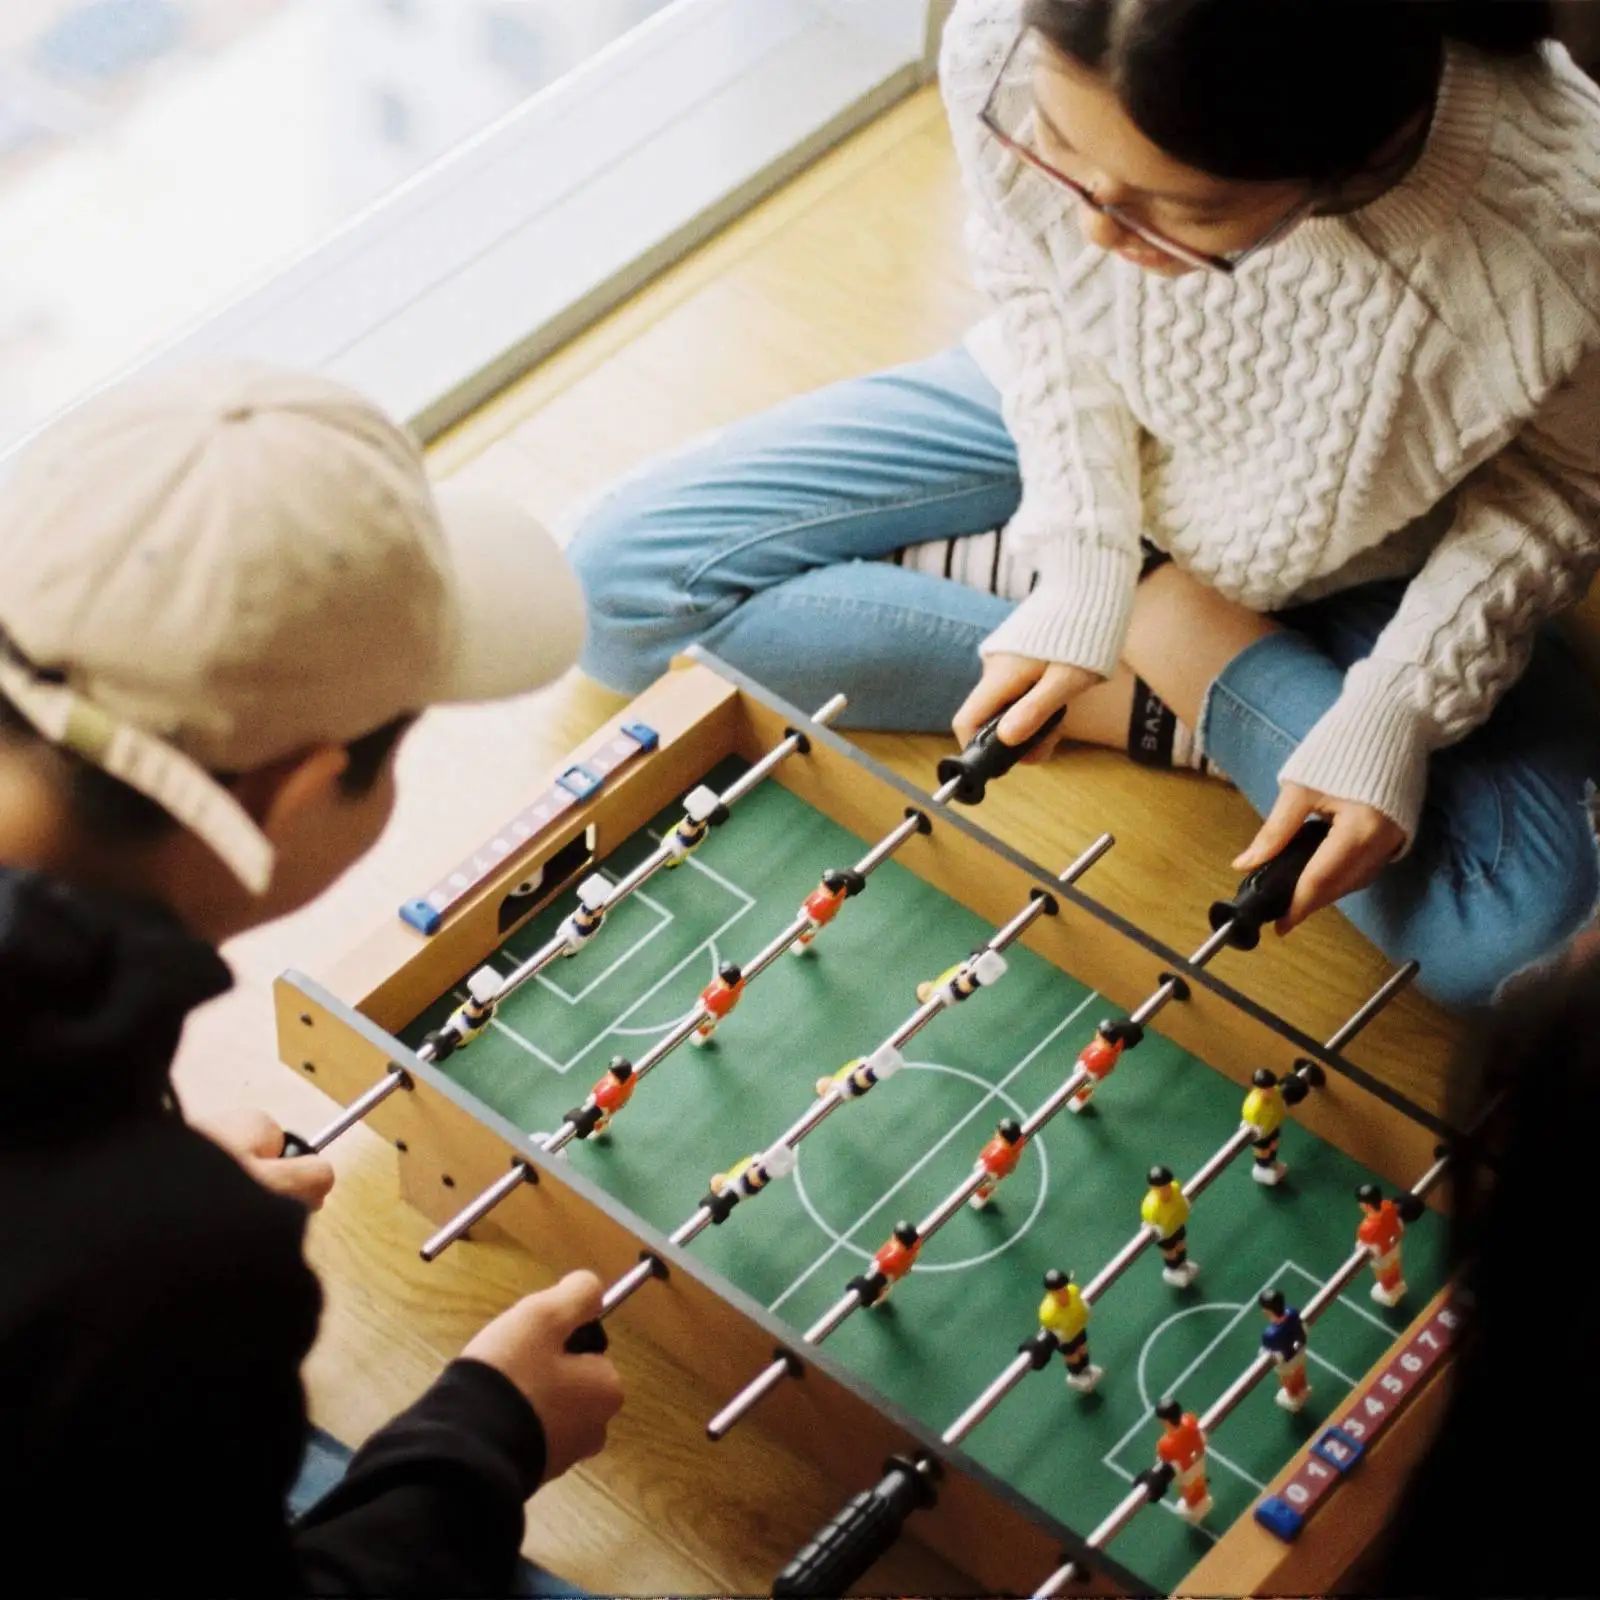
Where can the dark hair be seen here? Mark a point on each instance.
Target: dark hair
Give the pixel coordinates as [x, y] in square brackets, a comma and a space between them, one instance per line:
[106, 806]
[1279, 90]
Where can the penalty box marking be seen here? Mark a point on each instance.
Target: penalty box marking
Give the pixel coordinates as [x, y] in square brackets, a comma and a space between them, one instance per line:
[747, 901]
[841, 1241]
[664, 917]
[1239, 1312]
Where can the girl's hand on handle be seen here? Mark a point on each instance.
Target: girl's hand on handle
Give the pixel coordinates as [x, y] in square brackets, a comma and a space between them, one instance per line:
[1360, 844]
[1034, 690]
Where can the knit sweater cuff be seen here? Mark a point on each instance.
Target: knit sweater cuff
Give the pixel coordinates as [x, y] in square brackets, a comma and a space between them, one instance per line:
[1371, 746]
[1078, 615]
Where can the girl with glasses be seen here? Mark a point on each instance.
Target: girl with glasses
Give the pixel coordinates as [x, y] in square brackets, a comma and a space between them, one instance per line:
[1288, 412]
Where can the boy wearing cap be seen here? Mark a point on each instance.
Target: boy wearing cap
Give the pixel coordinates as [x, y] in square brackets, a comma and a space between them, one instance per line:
[226, 595]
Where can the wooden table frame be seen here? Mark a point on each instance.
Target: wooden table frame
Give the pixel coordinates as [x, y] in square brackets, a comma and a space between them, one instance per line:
[340, 1032]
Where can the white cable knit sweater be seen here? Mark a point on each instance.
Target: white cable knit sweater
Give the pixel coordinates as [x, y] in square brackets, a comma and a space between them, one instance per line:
[1281, 431]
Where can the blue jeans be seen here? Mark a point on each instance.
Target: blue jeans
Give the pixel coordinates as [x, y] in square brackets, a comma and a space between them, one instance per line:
[765, 543]
[323, 1467]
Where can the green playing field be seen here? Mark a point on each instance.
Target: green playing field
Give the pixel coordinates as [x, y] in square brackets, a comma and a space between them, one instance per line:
[973, 1296]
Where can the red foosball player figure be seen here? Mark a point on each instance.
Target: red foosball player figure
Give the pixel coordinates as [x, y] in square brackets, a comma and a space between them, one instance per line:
[896, 1258]
[824, 903]
[1264, 1111]
[1284, 1339]
[1064, 1312]
[998, 1160]
[1166, 1209]
[1183, 1448]
[1097, 1058]
[613, 1092]
[719, 997]
[1380, 1230]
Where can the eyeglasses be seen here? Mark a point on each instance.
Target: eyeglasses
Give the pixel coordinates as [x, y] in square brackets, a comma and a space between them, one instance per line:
[1012, 116]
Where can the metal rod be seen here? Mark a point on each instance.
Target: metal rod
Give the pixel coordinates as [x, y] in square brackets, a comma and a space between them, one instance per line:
[358, 1110]
[476, 1212]
[827, 1104]
[657, 860]
[634, 1280]
[747, 1399]
[553, 949]
[1045, 1113]
[626, 1285]
[1169, 987]
[1396, 981]
[1229, 1151]
[886, 846]
[1228, 1401]
[969, 1419]
[1119, 1263]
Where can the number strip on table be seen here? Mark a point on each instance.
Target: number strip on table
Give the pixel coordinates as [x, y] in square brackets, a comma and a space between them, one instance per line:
[1338, 1449]
[578, 782]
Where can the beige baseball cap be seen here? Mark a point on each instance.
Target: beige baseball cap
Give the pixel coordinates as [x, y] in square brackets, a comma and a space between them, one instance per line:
[206, 571]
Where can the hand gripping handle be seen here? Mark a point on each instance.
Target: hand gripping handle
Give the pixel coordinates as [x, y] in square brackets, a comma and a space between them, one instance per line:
[987, 758]
[589, 1340]
[1265, 894]
[843, 1551]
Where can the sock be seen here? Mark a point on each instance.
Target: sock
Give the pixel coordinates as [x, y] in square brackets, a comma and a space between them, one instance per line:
[980, 561]
[1157, 739]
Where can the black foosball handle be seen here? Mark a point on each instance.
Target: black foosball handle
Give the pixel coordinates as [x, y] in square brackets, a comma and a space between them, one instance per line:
[865, 1529]
[294, 1145]
[988, 757]
[589, 1340]
[1267, 893]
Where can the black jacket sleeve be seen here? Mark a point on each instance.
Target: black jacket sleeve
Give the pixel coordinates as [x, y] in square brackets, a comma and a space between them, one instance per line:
[433, 1503]
[166, 1370]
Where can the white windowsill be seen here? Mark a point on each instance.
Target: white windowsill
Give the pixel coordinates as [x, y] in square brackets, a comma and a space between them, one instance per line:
[465, 278]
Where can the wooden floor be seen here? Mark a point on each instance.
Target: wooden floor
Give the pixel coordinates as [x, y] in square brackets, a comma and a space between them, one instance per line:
[855, 266]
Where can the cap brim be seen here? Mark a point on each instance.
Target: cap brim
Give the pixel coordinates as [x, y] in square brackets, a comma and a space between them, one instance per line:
[521, 609]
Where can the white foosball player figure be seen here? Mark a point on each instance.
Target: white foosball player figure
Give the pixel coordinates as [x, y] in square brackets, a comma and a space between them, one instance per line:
[963, 980]
[701, 807]
[594, 897]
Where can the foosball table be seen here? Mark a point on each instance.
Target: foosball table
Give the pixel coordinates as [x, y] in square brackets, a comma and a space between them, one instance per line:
[867, 1119]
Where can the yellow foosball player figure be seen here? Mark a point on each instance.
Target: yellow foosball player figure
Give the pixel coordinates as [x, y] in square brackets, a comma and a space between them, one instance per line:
[1166, 1209]
[1264, 1111]
[1064, 1312]
[964, 979]
[855, 1078]
[735, 1177]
